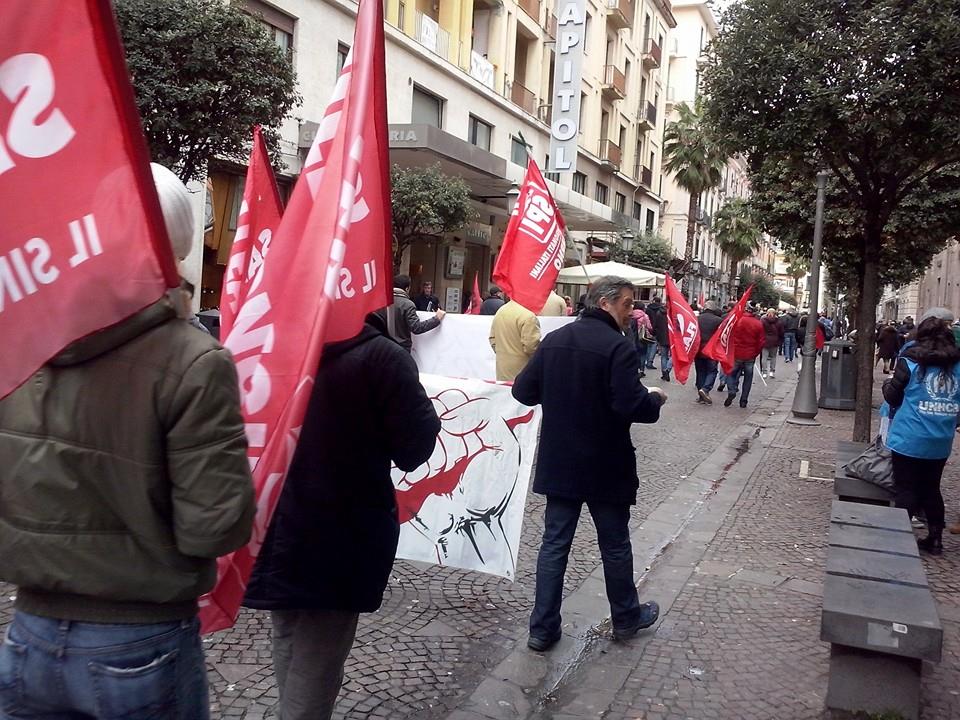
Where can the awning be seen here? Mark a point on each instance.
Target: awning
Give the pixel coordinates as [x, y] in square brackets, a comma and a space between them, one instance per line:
[594, 271]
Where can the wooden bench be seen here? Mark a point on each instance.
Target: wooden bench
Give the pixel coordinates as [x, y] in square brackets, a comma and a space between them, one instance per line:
[878, 613]
[852, 489]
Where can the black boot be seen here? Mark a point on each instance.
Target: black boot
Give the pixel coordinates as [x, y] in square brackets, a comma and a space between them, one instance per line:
[665, 376]
[932, 543]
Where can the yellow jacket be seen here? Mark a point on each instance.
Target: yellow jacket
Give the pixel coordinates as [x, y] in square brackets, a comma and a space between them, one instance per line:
[514, 337]
[555, 306]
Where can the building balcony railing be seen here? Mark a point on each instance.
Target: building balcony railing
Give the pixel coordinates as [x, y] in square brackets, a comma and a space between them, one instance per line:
[610, 154]
[644, 122]
[704, 218]
[428, 33]
[652, 55]
[531, 8]
[652, 113]
[523, 97]
[645, 175]
[614, 83]
[620, 13]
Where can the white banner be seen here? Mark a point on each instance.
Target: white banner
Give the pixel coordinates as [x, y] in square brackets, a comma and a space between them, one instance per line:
[460, 347]
[464, 507]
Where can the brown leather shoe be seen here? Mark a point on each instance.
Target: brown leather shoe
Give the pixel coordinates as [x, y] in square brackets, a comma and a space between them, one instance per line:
[954, 529]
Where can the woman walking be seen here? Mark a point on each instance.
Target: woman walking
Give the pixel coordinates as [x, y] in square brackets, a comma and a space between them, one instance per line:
[925, 393]
[888, 345]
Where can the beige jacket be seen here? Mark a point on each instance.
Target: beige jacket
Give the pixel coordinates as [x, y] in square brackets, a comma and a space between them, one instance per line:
[555, 306]
[514, 337]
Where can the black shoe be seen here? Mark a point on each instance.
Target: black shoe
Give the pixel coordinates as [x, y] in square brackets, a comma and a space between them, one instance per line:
[742, 404]
[704, 397]
[649, 612]
[933, 543]
[729, 401]
[642, 374]
[721, 387]
[542, 644]
[665, 376]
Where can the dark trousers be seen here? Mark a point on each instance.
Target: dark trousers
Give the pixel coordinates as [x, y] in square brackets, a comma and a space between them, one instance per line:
[706, 372]
[741, 368]
[917, 487]
[560, 524]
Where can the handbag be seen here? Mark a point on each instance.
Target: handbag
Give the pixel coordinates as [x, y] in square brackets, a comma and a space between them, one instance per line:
[874, 465]
[644, 334]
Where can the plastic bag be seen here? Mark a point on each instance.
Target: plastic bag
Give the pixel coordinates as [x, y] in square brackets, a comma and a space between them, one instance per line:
[874, 465]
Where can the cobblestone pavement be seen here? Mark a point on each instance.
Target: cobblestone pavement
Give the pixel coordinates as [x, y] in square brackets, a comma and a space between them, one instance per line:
[440, 630]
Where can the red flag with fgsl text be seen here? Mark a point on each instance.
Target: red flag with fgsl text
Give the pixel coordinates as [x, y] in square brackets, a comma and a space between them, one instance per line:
[684, 331]
[82, 240]
[475, 299]
[720, 347]
[326, 264]
[259, 217]
[534, 244]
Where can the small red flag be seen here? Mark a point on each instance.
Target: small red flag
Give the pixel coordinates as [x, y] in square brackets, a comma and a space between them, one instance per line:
[720, 347]
[684, 331]
[475, 300]
[533, 245]
[259, 218]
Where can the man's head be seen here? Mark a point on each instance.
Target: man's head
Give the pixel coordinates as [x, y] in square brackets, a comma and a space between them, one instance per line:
[402, 282]
[427, 288]
[177, 213]
[613, 295]
[494, 291]
[772, 314]
[656, 298]
[711, 305]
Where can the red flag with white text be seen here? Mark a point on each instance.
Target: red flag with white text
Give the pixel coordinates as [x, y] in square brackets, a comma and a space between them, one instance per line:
[720, 347]
[82, 240]
[475, 299]
[684, 331]
[301, 290]
[533, 245]
[259, 218]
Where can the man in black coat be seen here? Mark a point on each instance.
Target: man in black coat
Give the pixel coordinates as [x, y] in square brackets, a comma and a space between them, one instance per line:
[708, 320]
[585, 377]
[426, 301]
[657, 312]
[331, 545]
[492, 303]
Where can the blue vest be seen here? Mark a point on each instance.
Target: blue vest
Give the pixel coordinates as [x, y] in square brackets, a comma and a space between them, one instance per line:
[924, 425]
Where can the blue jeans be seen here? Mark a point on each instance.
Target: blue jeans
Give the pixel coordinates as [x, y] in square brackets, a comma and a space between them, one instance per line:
[61, 670]
[651, 354]
[706, 372]
[789, 346]
[744, 368]
[666, 365]
[613, 535]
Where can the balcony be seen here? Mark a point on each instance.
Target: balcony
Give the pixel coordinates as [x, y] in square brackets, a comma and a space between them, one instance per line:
[428, 33]
[651, 113]
[620, 13]
[703, 218]
[651, 55]
[614, 83]
[671, 97]
[531, 8]
[646, 177]
[610, 154]
[646, 121]
[523, 97]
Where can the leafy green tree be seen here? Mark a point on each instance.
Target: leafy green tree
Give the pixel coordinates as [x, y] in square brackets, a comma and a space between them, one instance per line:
[650, 250]
[425, 202]
[695, 159]
[797, 268]
[764, 293]
[868, 88]
[204, 72]
[736, 232]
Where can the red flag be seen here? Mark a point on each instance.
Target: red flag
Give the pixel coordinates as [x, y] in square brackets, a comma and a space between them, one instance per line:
[82, 244]
[475, 300]
[533, 245]
[259, 218]
[719, 347]
[282, 325]
[684, 331]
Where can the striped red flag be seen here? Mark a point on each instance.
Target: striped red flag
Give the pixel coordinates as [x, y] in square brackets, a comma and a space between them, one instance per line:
[684, 331]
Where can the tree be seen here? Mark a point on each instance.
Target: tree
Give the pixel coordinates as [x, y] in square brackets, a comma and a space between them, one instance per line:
[425, 202]
[736, 232]
[764, 294]
[868, 88]
[797, 268]
[695, 159]
[204, 73]
[649, 250]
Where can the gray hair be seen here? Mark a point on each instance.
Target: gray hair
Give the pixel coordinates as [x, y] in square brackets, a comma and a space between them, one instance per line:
[609, 287]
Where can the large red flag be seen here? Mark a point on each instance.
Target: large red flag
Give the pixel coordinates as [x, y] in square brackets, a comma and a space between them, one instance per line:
[719, 347]
[82, 240]
[259, 218]
[533, 245]
[475, 299]
[283, 323]
[684, 331]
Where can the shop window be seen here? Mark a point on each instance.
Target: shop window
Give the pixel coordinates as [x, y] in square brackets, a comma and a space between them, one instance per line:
[427, 108]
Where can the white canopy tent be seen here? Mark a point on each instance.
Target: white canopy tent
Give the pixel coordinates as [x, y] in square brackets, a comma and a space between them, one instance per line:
[594, 271]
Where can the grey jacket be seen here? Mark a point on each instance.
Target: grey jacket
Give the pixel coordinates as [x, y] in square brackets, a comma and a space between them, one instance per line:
[403, 321]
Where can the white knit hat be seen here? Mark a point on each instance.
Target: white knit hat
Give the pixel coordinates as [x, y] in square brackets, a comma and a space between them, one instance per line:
[177, 211]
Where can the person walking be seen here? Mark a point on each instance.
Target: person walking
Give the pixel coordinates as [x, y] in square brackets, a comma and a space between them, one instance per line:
[924, 394]
[642, 331]
[773, 338]
[125, 476]
[514, 338]
[402, 319]
[706, 368]
[791, 321]
[493, 303]
[600, 469]
[657, 312]
[748, 340]
[331, 545]
[888, 346]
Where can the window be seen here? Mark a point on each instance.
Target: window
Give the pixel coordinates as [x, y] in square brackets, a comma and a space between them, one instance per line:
[480, 133]
[518, 152]
[586, 34]
[580, 183]
[555, 177]
[401, 15]
[342, 51]
[637, 210]
[620, 203]
[279, 25]
[626, 74]
[602, 194]
[643, 90]
[583, 105]
[651, 219]
[427, 108]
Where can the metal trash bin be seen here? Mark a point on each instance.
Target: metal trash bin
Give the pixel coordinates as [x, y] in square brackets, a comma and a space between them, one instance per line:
[838, 375]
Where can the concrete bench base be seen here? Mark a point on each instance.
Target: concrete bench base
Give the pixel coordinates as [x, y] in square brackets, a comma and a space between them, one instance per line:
[873, 682]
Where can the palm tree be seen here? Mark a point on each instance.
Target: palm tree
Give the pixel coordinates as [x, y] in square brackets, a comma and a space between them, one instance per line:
[696, 161]
[797, 267]
[736, 232]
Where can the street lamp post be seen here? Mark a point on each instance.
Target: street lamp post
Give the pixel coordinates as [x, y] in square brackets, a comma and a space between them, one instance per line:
[512, 194]
[626, 240]
[805, 399]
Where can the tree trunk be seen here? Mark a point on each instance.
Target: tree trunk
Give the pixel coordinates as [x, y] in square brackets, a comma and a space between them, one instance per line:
[796, 291]
[688, 249]
[866, 331]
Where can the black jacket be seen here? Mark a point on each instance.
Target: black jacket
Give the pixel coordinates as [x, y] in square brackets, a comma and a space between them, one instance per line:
[427, 303]
[334, 535]
[657, 312]
[709, 321]
[585, 376]
[491, 305]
